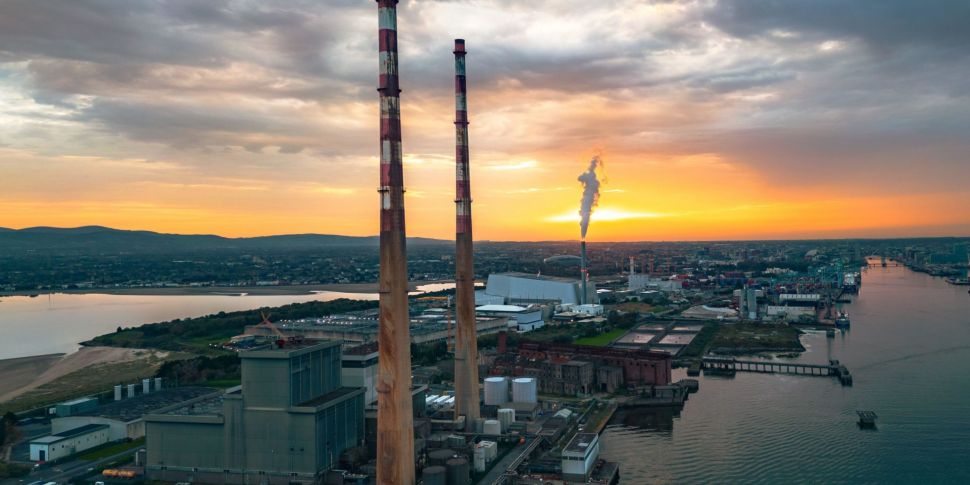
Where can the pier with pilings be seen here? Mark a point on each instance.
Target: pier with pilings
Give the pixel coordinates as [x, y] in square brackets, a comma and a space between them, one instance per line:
[730, 365]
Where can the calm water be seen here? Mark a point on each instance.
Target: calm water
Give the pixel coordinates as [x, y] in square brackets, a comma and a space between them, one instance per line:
[45, 325]
[909, 353]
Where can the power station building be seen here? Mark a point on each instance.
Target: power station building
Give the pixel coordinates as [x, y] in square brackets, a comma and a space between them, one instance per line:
[512, 288]
[287, 423]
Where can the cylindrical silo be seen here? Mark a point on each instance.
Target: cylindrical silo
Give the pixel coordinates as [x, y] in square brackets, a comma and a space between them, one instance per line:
[440, 457]
[506, 417]
[496, 391]
[118, 392]
[146, 386]
[158, 384]
[524, 390]
[458, 472]
[434, 475]
[492, 427]
[131, 390]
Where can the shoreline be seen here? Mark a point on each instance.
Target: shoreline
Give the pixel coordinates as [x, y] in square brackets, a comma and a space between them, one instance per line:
[282, 290]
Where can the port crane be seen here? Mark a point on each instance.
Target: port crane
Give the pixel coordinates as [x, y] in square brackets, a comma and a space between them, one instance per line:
[281, 338]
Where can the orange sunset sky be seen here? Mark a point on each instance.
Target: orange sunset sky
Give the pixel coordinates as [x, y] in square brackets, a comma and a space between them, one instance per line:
[716, 119]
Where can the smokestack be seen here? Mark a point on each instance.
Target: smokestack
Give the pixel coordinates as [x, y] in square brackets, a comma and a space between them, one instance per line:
[591, 196]
[395, 431]
[467, 401]
[583, 269]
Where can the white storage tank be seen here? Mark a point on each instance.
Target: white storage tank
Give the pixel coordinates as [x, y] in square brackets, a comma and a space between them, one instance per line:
[479, 460]
[506, 417]
[492, 427]
[524, 390]
[491, 450]
[496, 391]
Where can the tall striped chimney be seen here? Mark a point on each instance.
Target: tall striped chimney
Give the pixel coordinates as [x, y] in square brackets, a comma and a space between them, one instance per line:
[395, 432]
[584, 270]
[466, 343]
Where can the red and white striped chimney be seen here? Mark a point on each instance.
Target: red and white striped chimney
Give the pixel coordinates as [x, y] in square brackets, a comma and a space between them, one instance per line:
[395, 431]
[467, 401]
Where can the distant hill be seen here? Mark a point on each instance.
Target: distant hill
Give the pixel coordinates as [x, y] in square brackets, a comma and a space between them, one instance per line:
[105, 240]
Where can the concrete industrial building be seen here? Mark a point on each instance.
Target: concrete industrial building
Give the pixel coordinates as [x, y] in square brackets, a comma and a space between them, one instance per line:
[363, 327]
[358, 368]
[124, 418]
[512, 288]
[287, 423]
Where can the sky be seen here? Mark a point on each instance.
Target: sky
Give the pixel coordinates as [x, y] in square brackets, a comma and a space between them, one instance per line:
[716, 119]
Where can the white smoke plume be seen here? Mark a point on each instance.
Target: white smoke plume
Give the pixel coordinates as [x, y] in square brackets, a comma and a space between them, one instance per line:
[591, 193]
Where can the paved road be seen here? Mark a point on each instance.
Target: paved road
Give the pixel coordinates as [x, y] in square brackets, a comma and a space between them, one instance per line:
[64, 472]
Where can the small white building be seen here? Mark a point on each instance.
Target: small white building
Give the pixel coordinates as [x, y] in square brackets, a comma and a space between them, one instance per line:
[579, 456]
[521, 318]
[66, 443]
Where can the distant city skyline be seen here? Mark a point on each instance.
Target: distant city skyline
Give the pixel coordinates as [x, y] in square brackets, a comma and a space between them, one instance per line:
[717, 120]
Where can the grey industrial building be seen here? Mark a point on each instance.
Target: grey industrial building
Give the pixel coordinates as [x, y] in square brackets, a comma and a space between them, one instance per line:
[513, 288]
[287, 423]
[363, 327]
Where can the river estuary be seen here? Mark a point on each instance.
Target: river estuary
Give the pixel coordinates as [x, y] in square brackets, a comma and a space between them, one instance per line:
[48, 324]
[909, 353]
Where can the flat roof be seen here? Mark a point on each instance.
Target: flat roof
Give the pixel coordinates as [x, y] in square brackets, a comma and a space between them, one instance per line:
[331, 396]
[580, 443]
[134, 408]
[205, 407]
[501, 308]
[71, 433]
[290, 348]
[530, 276]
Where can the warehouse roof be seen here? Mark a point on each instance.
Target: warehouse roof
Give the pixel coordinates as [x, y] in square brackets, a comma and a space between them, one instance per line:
[71, 433]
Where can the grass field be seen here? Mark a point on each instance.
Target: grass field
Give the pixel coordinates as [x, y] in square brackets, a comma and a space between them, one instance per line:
[740, 337]
[90, 380]
[602, 339]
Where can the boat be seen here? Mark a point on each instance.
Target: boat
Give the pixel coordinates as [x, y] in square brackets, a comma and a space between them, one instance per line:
[842, 320]
[958, 281]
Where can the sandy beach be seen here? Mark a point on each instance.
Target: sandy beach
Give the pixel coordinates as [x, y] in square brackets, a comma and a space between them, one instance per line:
[21, 375]
[235, 290]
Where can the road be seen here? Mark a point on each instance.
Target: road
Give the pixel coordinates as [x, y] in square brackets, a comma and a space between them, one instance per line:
[64, 472]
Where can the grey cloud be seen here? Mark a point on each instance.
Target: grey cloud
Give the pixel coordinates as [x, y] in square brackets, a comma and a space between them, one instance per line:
[881, 23]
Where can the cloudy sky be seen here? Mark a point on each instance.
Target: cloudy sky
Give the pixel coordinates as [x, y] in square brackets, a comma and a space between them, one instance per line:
[729, 119]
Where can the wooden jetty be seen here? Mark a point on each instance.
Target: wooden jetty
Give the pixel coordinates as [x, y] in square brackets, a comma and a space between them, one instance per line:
[730, 365]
